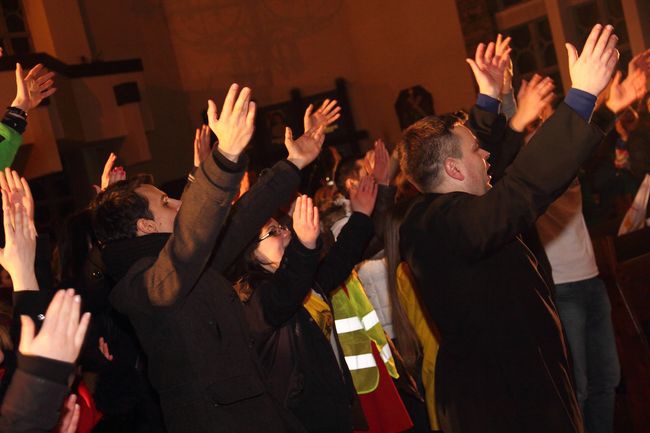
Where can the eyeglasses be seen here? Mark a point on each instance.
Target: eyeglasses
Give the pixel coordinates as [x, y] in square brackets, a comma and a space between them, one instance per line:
[273, 231]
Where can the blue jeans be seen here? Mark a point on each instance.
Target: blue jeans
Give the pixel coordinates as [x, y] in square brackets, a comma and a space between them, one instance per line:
[585, 312]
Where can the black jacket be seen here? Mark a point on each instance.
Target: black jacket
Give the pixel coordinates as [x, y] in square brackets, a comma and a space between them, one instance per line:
[502, 364]
[35, 396]
[187, 316]
[304, 372]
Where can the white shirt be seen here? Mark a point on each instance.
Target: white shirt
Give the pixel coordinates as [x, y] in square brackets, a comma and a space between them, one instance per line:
[563, 232]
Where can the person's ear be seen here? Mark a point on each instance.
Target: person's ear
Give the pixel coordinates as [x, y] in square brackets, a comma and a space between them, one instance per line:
[145, 226]
[454, 169]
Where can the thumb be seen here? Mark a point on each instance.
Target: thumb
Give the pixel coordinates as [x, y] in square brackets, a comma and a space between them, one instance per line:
[472, 64]
[572, 52]
[212, 111]
[26, 333]
[288, 136]
[522, 89]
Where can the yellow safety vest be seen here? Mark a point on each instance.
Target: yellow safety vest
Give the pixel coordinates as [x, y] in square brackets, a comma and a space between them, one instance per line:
[357, 325]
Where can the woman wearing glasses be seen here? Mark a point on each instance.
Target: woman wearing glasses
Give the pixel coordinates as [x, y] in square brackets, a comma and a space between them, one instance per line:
[301, 354]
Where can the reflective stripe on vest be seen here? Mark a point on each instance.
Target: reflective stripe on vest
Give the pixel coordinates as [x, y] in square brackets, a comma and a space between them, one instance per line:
[370, 320]
[360, 361]
[358, 328]
[350, 324]
[385, 353]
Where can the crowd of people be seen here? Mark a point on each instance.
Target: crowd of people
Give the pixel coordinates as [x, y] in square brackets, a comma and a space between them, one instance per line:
[449, 285]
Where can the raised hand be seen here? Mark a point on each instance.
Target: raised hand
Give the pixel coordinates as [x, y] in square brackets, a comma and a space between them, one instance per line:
[111, 174]
[592, 70]
[18, 191]
[33, 88]
[533, 96]
[381, 168]
[639, 62]
[306, 222]
[489, 67]
[202, 145]
[623, 94]
[234, 127]
[62, 333]
[103, 347]
[19, 253]
[306, 148]
[70, 419]
[363, 197]
[327, 114]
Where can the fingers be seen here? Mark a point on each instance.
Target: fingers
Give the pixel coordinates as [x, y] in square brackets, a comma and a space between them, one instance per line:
[241, 106]
[592, 40]
[308, 111]
[62, 319]
[229, 102]
[10, 179]
[108, 166]
[309, 210]
[52, 313]
[73, 317]
[479, 56]
[81, 331]
[489, 53]
[572, 53]
[316, 218]
[600, 49]
[28, 195]
[7, 218]
[250, 116]
[34, 71]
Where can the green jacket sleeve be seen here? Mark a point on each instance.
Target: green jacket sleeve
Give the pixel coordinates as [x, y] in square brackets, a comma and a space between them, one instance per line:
[10, 141]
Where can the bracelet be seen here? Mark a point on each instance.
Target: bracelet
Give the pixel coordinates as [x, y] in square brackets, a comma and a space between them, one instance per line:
[17, 112]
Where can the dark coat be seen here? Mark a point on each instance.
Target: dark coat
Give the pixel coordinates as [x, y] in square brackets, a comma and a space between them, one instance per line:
[35, 396]
[502, 364]
[187, 316]
[304, 372]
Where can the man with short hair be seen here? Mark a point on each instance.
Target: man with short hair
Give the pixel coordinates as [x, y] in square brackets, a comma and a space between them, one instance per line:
[502, 364]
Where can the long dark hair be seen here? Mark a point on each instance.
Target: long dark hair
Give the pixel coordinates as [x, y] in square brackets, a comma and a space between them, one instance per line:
[407, 340]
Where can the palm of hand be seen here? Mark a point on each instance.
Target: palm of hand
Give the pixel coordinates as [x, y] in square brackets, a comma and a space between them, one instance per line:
[306, 147]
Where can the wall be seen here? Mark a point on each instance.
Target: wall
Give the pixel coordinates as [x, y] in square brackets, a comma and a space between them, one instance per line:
[380, 47]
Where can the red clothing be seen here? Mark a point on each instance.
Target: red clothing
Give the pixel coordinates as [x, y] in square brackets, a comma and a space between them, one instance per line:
[384, 409]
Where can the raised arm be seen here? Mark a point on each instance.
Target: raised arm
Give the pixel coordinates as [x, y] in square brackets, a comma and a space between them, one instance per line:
[348, 249]
[544, 168]
[272, 191]
[295, 276]
[31, 89]
[204, 207]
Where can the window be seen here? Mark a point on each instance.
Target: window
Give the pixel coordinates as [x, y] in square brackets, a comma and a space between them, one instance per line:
[13, 28]
[586, 15]
[533, 50]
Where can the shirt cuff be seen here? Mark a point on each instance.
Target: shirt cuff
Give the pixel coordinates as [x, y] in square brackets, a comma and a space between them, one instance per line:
[487, 103]
[46, 368]
[581, 102]
[227, 165]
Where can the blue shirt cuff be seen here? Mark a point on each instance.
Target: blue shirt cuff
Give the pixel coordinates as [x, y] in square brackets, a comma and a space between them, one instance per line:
[487, 103]
[581, 102]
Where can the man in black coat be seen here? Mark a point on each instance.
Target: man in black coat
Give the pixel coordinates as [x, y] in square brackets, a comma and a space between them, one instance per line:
[502, 364]
[169, 261]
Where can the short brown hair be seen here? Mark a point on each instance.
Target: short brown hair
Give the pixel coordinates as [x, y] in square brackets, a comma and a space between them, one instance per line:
[115, 211]
[424, 147]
